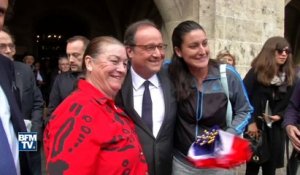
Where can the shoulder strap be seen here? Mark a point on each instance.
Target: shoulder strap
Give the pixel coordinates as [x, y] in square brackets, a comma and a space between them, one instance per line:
[225, 87]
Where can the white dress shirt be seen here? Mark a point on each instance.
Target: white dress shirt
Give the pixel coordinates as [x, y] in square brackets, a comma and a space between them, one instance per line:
[39, 76]
[8, 128]
[157, 97]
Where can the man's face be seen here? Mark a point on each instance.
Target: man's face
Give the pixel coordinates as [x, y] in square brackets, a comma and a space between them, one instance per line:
[75, 51]
[148, 53]
[3, 8]
[64, 65]
[29, 59]
[7, 48]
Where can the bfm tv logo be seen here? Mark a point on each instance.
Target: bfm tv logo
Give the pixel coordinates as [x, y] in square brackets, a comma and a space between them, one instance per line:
[27, 141]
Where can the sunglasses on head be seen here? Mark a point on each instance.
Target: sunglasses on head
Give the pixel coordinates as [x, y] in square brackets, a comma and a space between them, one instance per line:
[286, 50]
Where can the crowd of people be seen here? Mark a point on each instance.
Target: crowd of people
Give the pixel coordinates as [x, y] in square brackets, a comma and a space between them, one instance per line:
[117, 108]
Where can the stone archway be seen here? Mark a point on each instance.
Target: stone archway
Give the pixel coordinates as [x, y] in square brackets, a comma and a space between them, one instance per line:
[103, 17]
[240, 26]
[173, 12]
[50, 38]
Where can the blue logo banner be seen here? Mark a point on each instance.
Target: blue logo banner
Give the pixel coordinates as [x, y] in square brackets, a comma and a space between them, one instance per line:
[27, 141]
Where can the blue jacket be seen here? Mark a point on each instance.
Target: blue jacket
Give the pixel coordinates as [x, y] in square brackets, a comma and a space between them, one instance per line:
[207, 108]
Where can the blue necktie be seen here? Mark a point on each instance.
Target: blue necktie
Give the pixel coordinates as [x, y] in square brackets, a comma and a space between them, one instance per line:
[147, 106]
[7, 164]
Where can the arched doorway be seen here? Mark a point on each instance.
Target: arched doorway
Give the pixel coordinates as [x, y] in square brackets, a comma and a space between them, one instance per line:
[52, 31]
[35, 23]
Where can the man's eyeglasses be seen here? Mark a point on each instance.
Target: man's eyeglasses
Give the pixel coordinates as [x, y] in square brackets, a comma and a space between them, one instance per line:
[151, 47]
[286, 50]
[4, 46]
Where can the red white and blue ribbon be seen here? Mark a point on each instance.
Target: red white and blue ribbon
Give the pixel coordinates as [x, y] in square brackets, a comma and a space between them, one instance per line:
[219, 149]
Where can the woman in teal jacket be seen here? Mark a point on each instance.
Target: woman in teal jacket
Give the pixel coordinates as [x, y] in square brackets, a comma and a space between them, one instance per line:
[202, 101]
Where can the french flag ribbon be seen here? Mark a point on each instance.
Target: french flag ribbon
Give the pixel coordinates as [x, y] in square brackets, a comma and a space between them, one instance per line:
[227, 151]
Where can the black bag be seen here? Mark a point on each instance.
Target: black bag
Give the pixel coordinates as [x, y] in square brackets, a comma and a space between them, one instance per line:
[293, 163]
[260, 148]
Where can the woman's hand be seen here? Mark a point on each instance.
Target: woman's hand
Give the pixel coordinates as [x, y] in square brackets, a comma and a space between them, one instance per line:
[253, 131]
[275, 118]
[294, 135]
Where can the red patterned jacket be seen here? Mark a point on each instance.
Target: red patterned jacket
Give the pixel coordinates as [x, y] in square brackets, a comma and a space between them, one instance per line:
[88, 134]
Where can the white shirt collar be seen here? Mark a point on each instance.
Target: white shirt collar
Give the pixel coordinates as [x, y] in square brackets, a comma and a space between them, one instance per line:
[137, 80]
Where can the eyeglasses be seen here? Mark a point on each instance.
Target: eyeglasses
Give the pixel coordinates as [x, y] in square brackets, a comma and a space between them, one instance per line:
[151, 47]
[286, 50]
[4, 46]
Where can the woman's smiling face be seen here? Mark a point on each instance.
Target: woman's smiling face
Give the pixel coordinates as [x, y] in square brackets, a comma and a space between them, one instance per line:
[194, 49]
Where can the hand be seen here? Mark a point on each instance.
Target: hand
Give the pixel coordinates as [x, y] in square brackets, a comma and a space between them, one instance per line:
[275, 118]
[253, 130]
[294, 135]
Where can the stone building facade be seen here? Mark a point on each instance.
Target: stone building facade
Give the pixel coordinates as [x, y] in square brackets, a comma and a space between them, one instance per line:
[239, 26]
[236, 25]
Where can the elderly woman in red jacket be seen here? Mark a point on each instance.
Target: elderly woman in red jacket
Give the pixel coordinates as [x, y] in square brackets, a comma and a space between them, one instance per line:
[88, 134]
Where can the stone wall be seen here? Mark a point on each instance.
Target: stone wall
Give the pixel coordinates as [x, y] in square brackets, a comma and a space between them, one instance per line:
[173, 12]
[239, 26]
[243, 26]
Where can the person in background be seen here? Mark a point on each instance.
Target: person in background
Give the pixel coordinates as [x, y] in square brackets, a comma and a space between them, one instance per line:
[42, 80]
[63, 66]
[29, 60]
[291, 124]
[65, 83]
[202, 102]
[87, 133]
[269, 84]
[30, 96]
[226, 57]
[147, 95]
[12, 162]
[39, 74]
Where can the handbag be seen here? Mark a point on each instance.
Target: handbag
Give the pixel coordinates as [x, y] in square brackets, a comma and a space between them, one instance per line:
[259, 147]
[293, 164]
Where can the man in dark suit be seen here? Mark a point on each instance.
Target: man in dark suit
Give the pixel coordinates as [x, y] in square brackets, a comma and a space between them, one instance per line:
[146, 51]
[66, 82]
[30, 96]
[8, 86]
[9, 94]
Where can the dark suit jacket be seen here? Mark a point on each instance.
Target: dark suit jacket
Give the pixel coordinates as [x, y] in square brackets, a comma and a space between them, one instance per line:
[7, 83]
[158, 151]
[63, 86]
[30, 96]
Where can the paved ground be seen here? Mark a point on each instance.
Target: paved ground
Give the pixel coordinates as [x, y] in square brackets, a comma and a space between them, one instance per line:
[239, 171]
[281, 171]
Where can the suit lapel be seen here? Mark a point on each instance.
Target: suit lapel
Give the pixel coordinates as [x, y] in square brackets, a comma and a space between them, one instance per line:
[127, 98]
[16, 115]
